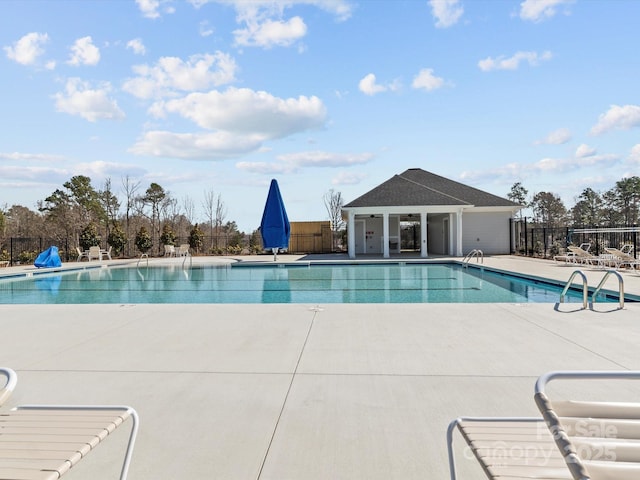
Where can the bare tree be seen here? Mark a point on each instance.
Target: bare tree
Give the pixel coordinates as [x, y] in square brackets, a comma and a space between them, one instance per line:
[220, 216]
[188, 207]
[209, 206]
[333, 203]
[130, 189]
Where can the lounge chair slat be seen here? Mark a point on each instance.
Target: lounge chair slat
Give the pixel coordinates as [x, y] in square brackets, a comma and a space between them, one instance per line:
[69, 447]
[613, 470]
[42, 442]
[566, 408]
[514, 449]
[73, 456]
[27, 474]
[57, 465]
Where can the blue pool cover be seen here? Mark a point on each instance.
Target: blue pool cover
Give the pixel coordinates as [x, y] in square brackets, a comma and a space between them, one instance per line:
[48, 258]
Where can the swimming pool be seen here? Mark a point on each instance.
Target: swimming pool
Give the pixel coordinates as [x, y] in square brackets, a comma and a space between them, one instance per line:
[307, 283]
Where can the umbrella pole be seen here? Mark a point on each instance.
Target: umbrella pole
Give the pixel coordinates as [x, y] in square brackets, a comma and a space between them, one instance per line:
[275, 253]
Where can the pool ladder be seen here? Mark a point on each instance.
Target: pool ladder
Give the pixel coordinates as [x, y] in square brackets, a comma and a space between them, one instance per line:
[479, 256]
[585, 288]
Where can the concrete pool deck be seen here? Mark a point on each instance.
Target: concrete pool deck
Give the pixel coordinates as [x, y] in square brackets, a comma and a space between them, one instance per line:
[297, 392]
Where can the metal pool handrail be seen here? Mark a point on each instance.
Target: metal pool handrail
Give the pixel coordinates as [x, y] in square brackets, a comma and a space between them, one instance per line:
[477, 253]
[585, 288]
[601, 284]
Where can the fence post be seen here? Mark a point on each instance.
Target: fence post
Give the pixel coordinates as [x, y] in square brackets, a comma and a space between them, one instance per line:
[512, 247]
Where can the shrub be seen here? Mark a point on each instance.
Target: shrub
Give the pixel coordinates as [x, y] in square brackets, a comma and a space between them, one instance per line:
[27, 256]
[196, 237]
[143, 240]
[117, 239]
[168, 237]
[89, 237]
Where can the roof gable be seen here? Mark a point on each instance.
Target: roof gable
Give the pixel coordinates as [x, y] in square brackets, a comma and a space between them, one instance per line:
[419, 187]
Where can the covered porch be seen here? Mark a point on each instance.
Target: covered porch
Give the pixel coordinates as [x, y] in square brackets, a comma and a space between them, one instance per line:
[378, 230]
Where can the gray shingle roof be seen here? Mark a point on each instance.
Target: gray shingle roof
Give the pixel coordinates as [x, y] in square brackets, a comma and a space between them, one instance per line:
[419, 187]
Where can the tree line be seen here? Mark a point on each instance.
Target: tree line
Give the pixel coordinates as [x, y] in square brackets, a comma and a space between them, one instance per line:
[136, 221]
[78, 214]
[616, 207]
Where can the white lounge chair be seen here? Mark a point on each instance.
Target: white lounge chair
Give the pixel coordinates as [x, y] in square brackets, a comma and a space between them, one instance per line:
[82, 254]
[574, 254]
[183, 250]
[94, 253]
[623, 256]
[106, 253]
[169, 251]
[575, 440]
[598, 439]
[43, 442]
[582, 255]
[509, 448]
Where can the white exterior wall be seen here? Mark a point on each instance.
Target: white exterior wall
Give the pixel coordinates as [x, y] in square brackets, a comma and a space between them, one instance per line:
[488, 231]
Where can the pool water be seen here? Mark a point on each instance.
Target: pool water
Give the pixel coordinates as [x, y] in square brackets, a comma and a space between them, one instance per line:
[311, 284]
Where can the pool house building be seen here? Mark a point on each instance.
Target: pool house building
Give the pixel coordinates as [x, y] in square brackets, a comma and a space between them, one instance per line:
[453, 218]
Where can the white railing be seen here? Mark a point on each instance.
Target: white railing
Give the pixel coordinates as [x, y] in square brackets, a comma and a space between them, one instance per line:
[585, 288]
[479, 256]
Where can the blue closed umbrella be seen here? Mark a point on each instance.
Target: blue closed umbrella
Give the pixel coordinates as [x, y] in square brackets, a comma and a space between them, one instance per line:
[274, 227]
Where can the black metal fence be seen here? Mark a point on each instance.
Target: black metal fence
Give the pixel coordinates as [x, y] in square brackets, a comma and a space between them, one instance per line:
[19, 251]
[23, 251]
[546, 242]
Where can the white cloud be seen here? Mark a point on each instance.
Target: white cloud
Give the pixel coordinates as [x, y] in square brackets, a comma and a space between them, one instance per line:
[89, 103]
[294, 162]
[36, 174]
[513, 62]
[368, 85]
[84, 52]
[425, 79]
[41, 157]
[269, 33]
[265, 168]
[100, 169]
[348, 178]
[536, 10]
[208, 146]
[263, 22]
[341, 9]
[137, 46]
[585, 150]
[149, 8]
[205, 29]
[617, 117]
[446, 12]
[247, 111]
[28, 49]
[240, 121]
[325, 159]
[543, 166]
[557, 137]
[634, 155]
[172, 74]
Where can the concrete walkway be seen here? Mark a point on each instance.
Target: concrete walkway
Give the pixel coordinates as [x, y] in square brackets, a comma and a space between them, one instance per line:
[306, 392]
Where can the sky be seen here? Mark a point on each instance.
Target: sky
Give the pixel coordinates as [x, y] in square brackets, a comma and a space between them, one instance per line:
[221, 96]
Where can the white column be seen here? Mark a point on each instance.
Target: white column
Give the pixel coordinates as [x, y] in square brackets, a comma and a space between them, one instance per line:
[423, 235]
[385, 235]
[351, 234]
[459, 233]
